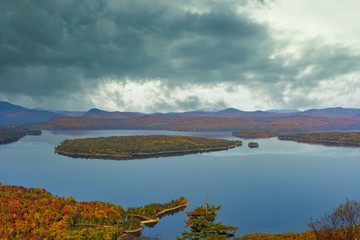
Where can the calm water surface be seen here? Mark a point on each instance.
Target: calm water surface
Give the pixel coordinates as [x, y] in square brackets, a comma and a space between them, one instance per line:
[275, 188]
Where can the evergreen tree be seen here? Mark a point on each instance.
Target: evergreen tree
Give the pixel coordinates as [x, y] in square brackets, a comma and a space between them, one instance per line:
[202, 225]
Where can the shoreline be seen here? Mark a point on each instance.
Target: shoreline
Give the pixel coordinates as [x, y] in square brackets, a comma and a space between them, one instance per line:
[150, 220]
[321, 142]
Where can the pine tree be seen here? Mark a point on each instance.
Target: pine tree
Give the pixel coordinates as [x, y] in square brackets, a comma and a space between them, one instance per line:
[202, 225]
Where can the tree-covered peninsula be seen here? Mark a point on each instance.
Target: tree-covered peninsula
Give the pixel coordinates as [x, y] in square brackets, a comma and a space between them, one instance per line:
[135, 147]
[33, 213]
[348, 139]
[13, 134]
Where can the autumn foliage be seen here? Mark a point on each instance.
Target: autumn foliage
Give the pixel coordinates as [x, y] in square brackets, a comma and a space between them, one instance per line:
[308, 235]
[342, 224]
[280, 124]
[351, 139]
[33, 213]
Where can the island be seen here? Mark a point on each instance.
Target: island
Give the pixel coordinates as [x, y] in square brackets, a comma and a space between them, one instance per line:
[34, 213]
[10, 134]
[345, 139]
[253, 145]
[138, 147]
[254, 134]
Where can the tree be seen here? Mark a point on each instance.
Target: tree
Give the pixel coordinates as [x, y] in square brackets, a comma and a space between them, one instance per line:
[342, 224]
[202, 225]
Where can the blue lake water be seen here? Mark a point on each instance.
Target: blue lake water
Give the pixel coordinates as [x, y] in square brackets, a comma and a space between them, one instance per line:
[275, 188]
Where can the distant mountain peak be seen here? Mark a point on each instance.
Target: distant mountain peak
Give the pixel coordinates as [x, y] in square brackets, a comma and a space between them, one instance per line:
[98, 113]
[6, 106]
[13, 114]
[96, 110]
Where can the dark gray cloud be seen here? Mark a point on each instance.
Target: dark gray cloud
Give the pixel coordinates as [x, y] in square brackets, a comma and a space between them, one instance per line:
[55, 48]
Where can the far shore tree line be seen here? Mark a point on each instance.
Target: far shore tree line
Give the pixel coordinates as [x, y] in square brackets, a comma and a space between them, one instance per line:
[12, 134]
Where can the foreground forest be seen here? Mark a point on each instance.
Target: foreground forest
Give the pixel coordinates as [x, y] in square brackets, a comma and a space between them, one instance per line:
[33, 213]
[130, 147]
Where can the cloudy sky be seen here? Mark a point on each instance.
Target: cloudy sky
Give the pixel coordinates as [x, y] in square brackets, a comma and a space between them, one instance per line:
[162, 55]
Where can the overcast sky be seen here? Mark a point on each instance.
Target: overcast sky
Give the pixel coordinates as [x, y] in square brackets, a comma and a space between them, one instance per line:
[162, 55]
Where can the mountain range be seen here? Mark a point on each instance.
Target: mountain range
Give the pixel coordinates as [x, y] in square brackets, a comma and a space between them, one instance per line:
[228, 119]
[11, 114]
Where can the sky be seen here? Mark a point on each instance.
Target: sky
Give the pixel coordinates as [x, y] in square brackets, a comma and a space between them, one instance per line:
[163, 56]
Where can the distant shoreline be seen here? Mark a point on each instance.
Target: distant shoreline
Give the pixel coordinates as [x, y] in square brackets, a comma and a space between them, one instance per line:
[341, 139]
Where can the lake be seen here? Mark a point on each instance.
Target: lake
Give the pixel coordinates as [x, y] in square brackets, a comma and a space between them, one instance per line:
[275, 188]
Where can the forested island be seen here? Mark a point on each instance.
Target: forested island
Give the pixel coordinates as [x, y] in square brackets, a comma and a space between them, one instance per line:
[33, 213]
[254, 134]
[348, 139]
[253, 145]
[13, 134]
[137, 147]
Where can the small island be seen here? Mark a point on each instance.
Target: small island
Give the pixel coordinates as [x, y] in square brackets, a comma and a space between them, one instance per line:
[254, 134]
[138, 147]
[253, 145]
[345, 139]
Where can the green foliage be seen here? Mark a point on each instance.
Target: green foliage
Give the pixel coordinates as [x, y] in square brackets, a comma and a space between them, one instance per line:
[202, 225]
[13, 134]
[154, 210]
[132, 223]
[253, 145]
[128, 147]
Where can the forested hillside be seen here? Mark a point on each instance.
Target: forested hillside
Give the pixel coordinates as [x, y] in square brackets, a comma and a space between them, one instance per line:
[288, 124]
[33, 213]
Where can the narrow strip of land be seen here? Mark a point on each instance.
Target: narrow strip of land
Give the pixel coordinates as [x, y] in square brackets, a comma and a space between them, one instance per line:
[345, 139]
[148, 220]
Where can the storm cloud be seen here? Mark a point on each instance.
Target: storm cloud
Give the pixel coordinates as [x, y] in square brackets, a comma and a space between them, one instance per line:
[109, 53]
